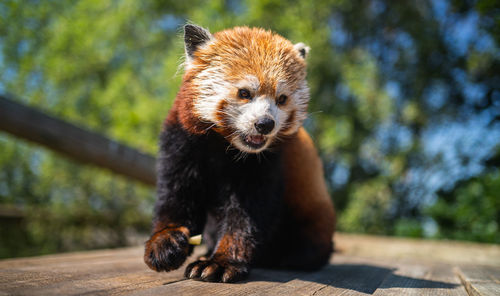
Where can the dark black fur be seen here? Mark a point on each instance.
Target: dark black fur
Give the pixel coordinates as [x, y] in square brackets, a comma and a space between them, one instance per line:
[194, 36]
[200, 180]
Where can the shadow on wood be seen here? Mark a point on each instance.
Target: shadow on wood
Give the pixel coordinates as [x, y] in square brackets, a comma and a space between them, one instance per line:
[362, 278]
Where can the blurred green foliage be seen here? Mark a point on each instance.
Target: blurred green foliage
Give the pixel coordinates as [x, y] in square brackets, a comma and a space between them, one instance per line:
[388, 80]
[471, 210]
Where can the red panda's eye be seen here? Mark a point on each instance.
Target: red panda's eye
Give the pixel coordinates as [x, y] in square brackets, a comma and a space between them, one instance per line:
[282, 99]
[244, 94]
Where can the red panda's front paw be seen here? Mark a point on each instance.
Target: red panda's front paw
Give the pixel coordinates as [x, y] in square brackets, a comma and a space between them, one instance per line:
[167, 249]
[216, 271]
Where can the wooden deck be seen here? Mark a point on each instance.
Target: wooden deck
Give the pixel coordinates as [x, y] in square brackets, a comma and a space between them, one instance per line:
[363, 265]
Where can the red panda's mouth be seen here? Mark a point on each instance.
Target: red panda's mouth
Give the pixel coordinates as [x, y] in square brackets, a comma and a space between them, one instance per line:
[254, 141]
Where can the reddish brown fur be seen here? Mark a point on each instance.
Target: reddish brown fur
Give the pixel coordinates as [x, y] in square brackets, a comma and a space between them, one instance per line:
[232, 248]
[305, 188]
[223, 128]
[220, 113]
[291, 118]
[161, 233]
[259, 53]
[183, 112]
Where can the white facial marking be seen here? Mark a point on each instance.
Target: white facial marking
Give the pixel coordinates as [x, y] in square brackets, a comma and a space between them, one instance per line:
[213, 89]
[260, 107]
[302, 49]
[250, 82]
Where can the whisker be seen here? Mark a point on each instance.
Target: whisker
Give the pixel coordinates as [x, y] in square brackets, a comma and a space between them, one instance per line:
[210, 127]
[231, 135]
[313, 113]
[241, 155]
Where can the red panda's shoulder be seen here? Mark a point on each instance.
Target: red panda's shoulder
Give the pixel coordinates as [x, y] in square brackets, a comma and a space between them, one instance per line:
[305, 188]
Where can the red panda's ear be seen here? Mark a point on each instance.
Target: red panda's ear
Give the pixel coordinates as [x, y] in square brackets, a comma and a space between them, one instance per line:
[302, 49]
[194, 37]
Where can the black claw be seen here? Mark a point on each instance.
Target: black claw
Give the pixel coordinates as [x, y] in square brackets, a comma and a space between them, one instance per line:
[194, 270]
[235, 273]
[212, 271]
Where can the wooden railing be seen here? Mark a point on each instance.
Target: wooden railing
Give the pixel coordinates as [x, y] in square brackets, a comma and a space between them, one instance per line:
[77, 143]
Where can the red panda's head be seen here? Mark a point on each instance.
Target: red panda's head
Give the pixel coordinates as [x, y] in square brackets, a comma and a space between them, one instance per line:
[247, 84]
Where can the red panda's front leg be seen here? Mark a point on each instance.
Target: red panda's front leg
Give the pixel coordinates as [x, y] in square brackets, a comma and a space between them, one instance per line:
[230, 261]
[179, 209]
[246, 223]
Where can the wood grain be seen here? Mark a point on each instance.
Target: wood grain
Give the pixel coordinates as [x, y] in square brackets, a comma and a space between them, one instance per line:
[480, 280]
[452, 252]
[419, 279]
[354, 271]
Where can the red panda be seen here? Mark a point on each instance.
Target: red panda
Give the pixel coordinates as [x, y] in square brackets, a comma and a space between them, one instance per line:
[236, 164]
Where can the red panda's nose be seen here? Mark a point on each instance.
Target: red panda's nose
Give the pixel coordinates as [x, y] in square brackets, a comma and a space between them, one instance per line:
[264, 125]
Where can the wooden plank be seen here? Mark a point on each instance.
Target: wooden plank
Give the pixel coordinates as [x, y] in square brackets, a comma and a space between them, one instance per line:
[480, 273]
[348, 276]
[71, 258]
[118, 284]
[452, 252]
[121, 271]
[345, 279]
[344, 275]
[260, 280]
[480, 280]
[108, 272]
[100, 282]
[79, 144]
[418, 279]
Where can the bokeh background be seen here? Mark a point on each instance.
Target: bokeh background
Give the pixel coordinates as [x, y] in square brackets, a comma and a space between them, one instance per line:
[405, 111]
